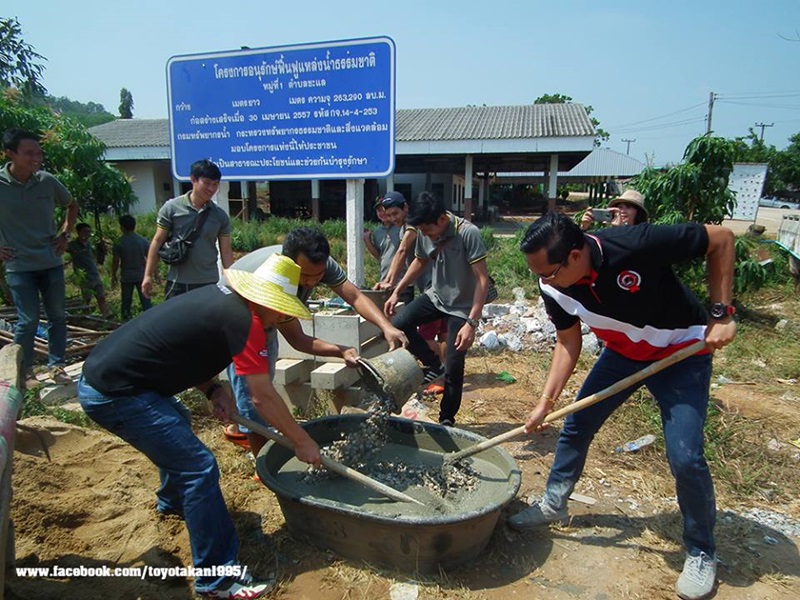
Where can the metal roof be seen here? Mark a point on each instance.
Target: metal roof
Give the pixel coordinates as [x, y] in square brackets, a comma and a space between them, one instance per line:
[493, 122]
[133, 133]
[418, 124]
[605, 162]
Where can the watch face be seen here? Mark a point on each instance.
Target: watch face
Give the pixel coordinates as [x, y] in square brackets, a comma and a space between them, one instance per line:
[718, 310]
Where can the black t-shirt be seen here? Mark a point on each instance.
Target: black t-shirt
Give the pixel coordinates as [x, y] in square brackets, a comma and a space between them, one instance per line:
[633, 300]
[176, 345]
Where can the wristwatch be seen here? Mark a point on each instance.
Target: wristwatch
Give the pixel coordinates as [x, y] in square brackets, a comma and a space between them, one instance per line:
[473, 323]
[719, 310]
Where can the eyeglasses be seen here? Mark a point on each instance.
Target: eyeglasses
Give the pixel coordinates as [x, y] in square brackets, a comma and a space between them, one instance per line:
[552, 275]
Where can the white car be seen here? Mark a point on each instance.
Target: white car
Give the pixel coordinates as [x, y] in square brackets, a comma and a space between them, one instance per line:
[775, 202]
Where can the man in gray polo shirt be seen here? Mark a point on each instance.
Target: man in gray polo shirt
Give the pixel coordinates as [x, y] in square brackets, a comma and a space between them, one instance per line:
[30, 247]
[457, 292]
[178, 218]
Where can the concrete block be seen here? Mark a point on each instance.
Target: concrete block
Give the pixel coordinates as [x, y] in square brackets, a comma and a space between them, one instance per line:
[330, 376]
[288, 370]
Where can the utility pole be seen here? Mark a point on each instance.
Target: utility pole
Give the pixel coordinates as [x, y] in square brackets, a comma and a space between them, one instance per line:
[711, 97]
[763, 125]
[628, 149]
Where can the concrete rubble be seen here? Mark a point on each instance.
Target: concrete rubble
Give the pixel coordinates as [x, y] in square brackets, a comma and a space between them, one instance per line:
[523, 326]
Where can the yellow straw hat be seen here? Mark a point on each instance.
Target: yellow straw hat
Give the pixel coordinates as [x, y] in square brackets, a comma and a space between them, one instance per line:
[273, 285]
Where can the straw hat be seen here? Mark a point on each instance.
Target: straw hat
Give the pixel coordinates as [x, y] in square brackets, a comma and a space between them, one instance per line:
[273, 285]
[631, 197]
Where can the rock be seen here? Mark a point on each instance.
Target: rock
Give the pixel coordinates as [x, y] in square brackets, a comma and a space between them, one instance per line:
[490, 341]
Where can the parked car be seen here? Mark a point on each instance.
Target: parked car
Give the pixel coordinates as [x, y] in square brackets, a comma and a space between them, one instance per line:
[775, 202]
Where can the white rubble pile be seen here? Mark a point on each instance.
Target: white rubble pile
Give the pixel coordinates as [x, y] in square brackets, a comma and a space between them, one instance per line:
[519, 326]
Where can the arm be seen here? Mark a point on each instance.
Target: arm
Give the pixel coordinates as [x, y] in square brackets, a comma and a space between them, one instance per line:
[367, 309]
[406, 247]
[67, 227]
[271, 406]
[294, 334]
[466, 335]
[565, 357]
[114, 269]
[587, 219]
[414, 270]
[720, 261]
[225, 251]
[370, 245]
[161, 235]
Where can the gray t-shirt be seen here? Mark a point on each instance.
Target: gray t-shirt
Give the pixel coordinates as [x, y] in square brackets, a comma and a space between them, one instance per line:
[131, 249]
[386, 240]
[177, 216]
[27, 219]
[452, 280]
[83, 260]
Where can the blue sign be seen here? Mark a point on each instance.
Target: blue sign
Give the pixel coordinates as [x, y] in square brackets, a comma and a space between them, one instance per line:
[313, 111]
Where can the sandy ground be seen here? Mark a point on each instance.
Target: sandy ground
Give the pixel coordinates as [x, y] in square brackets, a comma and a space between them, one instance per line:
[93, 505]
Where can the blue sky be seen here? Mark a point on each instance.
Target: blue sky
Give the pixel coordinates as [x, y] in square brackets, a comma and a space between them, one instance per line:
[646, 67]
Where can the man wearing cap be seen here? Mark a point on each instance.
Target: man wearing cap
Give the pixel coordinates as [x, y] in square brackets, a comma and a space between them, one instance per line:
[397, 210]
[627, 209]
[129, 381]
[457, 293]
[309, 248]
[382, 243]
[621, 284]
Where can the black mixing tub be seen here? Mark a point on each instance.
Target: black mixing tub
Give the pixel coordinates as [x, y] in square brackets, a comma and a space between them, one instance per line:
[359, 524]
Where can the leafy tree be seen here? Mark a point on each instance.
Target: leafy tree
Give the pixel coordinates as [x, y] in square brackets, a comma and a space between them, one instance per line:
[125, 104]
[601, 135]
[88, 114]
[20, 64]
[694, 190]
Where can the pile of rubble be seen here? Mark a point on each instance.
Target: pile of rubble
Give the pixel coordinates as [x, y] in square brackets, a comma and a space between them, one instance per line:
[520, 326]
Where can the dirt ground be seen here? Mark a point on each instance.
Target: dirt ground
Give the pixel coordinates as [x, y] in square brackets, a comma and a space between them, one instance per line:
[93, 505]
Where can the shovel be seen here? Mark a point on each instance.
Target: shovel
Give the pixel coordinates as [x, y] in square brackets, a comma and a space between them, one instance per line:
[328, 462]
[621, 385]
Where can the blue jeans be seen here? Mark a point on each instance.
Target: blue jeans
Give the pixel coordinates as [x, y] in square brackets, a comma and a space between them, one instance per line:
[681, 392]
[241, 392]
[25, 289]
[421, 311]
[160, 427]
[127, 298]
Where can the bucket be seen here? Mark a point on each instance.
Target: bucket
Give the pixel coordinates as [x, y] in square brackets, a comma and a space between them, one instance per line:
[395, 376]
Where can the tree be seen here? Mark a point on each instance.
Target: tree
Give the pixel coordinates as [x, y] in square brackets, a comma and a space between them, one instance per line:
[694, 190]
[601, 135]
[125, 104]
[20, 64]
[88, 114]
[783, 171]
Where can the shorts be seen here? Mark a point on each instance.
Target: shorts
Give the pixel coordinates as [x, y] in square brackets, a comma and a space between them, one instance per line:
[429, 331]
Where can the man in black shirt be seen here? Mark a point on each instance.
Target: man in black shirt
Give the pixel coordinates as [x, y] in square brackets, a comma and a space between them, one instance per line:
[129, 380]
[621, 284]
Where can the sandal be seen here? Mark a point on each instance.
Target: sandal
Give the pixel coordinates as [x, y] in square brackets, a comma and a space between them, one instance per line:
[236, 437]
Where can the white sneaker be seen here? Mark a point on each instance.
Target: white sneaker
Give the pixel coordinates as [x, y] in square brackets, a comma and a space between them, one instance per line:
[698, 577]
[242, 589]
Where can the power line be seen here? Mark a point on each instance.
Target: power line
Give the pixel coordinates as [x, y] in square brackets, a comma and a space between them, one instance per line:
[762, 104]
[670, 125]
[682, 110]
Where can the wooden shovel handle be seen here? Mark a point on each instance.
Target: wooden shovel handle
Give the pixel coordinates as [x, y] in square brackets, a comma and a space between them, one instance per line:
[622, 384]
[328, 462]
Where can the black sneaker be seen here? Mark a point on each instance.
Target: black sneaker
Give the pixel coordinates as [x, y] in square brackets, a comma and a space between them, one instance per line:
[447, 423]
[433, 374]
